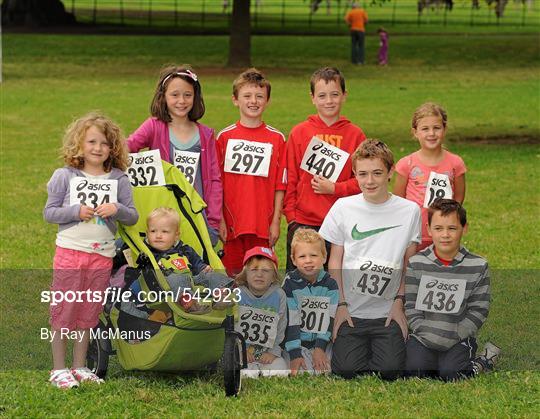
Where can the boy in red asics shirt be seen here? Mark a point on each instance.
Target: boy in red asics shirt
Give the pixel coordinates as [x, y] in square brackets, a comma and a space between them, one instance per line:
[252, 159]
[319, 169]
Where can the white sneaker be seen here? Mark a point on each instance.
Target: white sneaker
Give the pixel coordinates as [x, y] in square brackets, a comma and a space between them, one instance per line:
[63, 379]
[487, 358]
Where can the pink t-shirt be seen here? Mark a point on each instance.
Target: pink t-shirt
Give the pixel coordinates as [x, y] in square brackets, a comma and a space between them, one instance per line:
[417, 175]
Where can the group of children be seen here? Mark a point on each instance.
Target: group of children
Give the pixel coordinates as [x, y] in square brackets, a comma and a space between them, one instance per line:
[352, 292]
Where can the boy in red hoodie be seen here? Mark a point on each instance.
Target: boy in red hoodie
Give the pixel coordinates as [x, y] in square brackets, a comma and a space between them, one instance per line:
[319, 169]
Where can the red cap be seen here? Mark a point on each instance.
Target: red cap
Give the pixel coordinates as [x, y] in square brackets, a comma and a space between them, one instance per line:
[260, 251]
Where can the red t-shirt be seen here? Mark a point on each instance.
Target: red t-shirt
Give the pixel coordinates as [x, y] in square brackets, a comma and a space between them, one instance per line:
[248, 200]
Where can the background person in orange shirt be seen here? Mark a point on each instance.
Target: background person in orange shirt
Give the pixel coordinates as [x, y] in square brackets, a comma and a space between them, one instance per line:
[357, 18]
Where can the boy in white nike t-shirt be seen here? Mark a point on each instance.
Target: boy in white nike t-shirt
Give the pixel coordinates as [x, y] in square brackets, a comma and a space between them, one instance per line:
[373, 234]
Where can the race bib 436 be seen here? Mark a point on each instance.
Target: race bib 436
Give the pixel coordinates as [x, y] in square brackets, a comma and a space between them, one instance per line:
[439, 295]
[323, 159]
[248, 158]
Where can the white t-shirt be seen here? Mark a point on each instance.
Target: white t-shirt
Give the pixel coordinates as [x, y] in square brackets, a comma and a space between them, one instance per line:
[374, 238]
[89, 236]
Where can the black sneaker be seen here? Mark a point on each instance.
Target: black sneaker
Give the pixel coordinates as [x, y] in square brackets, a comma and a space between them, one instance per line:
[487, 359]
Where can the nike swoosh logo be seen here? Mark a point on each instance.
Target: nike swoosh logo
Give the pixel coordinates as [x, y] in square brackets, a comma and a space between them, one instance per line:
[361, 235]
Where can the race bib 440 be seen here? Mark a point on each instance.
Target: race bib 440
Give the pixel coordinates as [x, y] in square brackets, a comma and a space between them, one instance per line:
[439, 295]
[145, 169]
[376, 278]
[259, 327]
[92, 193]
[323, 159]
[248, 158]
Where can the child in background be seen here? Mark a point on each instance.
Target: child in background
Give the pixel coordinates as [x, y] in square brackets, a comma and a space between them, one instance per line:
[173, 130]
[252, 160]
[447, 295]
[383, 46]
[262, 313]
[312, 297]
[85, 199]
[431, 172]
[319, 169]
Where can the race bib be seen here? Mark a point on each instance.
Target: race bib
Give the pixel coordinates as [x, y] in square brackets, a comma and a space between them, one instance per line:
[438, 186]
[188, 163]
[145, 169]
[439, 295]
[248, 158]
[376, 278]
[259, 327]
[92, 193]
[324, 159]
[315, 314]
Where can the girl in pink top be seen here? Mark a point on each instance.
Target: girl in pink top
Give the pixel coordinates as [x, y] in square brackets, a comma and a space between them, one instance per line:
[431, 172]
[174, 131]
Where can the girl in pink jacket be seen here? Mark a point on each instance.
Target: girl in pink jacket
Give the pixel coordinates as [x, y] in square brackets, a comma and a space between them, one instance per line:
[174, 131]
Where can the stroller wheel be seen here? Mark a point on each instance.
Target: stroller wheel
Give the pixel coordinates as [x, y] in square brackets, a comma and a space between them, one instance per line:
[232, 364]
[97, 356]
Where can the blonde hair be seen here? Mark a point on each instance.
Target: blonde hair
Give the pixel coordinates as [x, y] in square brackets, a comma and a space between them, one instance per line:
[241, 278]
[164, 212]
[373, 149]
[428, 109]
[307, 235]
[251, 76]
[74, 137]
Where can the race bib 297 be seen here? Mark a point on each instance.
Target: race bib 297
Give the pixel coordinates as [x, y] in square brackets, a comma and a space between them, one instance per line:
[248, 158]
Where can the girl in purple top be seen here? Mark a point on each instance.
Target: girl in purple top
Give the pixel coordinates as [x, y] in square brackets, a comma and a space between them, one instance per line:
[383, 46]
[174, 131]
[85, 199]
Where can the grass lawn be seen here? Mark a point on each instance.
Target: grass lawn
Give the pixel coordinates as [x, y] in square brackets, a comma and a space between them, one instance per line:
[489, 86]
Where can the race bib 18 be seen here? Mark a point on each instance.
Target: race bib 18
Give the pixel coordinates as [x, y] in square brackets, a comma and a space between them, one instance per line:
[438, 186]
[145, 169]
[315, 314]
[248, 158]
[439, 295]
[376, 278]
[259, 327]
[188, 163]
[92, 193]
[323, 159]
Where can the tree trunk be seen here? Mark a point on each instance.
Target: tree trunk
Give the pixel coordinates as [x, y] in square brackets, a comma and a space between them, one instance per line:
[240, 37]
[35, 13]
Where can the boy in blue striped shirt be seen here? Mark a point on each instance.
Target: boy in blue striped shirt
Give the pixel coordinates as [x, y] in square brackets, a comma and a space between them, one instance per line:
[312, 297]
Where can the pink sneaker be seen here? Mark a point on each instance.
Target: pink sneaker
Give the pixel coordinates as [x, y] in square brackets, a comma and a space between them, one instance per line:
[63, 379]
[84, 374]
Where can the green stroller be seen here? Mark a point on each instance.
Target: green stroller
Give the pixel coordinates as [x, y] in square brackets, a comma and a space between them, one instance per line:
[185, 342]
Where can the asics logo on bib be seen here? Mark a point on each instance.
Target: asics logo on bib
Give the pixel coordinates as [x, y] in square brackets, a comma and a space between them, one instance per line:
[144, 159]
[93, 187]
[361, 235]
[326, 151]
[442, 287]
[438, 182]
[257, 317]
[314, 304]
[185, 159]
[376, 268]
[248, 148]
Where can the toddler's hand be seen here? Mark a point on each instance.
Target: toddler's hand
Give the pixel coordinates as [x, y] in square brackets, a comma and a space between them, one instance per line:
[207, 269]
[322, 185]
[297, 364]
[86, 213]
[267, 358]
[320, 360]
[106, 210]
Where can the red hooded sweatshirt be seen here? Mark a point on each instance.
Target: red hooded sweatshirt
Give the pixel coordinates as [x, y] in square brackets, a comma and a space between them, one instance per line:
[301, 203]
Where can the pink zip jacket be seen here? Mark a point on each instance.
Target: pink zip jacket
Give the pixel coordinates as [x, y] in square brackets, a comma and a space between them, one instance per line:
[154, 134]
